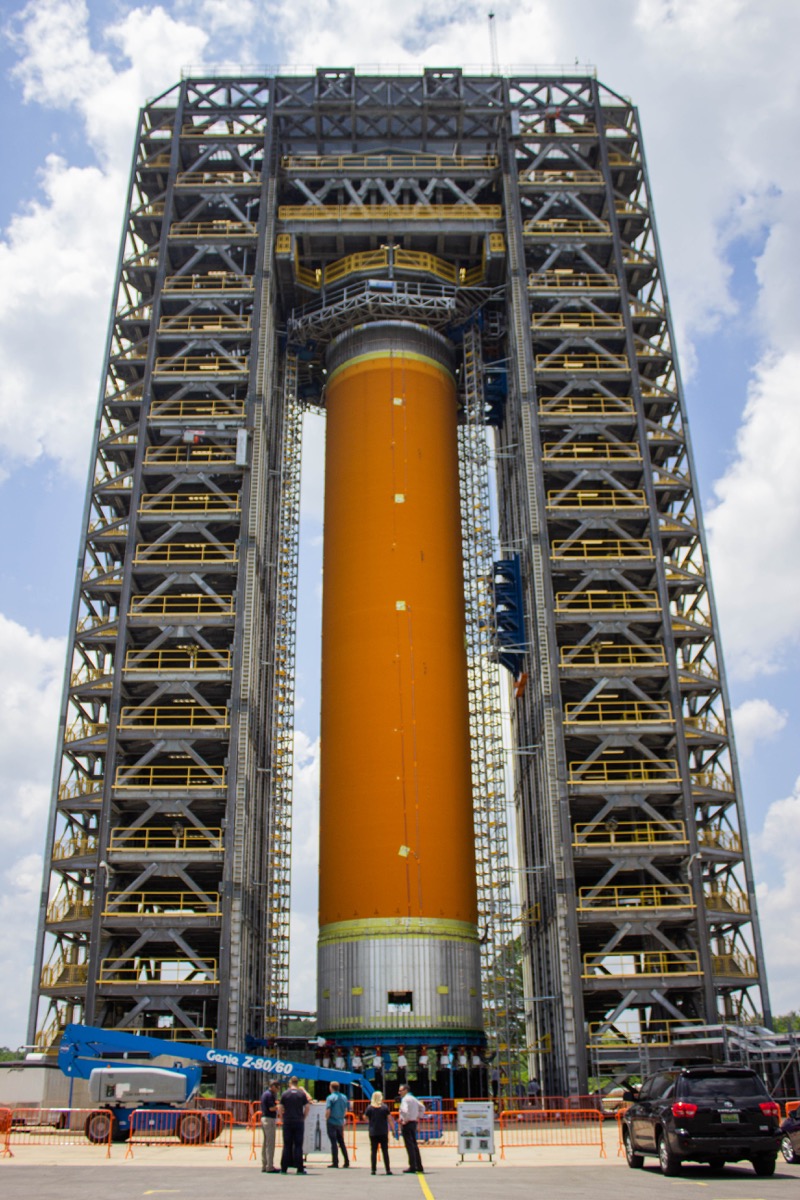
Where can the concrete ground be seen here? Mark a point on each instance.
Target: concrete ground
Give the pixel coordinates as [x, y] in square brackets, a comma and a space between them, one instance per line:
[82, 1172]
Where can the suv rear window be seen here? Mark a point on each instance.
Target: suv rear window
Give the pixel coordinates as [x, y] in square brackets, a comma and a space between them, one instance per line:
[736, 1087]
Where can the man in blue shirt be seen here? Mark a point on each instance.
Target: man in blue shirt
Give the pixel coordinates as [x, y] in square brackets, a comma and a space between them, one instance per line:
[336, 1107]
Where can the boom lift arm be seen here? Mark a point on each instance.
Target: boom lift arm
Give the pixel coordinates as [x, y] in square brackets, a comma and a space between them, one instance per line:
[85, 1047]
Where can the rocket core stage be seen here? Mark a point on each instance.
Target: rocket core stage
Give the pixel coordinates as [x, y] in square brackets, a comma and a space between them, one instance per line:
[398, 941]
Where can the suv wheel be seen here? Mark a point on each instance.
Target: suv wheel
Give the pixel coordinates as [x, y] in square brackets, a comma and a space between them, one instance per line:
[669, 1162]
[787, 1149]
[632, 1158]
[764, 1164]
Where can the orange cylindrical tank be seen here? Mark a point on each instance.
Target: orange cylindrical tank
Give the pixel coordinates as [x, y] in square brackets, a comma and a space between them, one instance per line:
[395, 793]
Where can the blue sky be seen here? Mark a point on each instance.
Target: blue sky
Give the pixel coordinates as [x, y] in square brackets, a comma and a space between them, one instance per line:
[718, 89]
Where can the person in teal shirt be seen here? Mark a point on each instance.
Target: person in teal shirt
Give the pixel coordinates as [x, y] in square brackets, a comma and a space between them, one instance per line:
[336, 1108]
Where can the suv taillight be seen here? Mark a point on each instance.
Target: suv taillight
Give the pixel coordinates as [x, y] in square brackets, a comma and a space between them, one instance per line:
[682, 1109]
[771, 1109]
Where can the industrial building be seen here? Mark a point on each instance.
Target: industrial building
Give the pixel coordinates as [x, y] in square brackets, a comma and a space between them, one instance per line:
[462, 272]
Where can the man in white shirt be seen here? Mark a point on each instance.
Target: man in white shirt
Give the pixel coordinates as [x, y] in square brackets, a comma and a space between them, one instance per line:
[411, 1109]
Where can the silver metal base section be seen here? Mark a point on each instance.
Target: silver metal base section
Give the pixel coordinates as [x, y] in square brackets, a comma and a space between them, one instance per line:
[361, 983]
[388, 338]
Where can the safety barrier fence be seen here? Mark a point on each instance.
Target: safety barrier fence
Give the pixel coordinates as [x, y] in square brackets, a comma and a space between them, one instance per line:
[551, 1127]
[55, 1127]
[240, 1111]
[352, 1123]
[620, 1113]
[180, 1127]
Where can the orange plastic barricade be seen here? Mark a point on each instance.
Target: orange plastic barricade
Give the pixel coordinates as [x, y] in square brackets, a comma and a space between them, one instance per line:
[791, 1105]
[240, 1110]
[551, 1127]
[59, 1127]
[180, 1127]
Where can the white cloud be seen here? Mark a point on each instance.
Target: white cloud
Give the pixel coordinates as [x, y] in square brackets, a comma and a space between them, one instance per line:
[777, 853]
[756, 721]
[754, 529]
[31, 670]
[305, 867]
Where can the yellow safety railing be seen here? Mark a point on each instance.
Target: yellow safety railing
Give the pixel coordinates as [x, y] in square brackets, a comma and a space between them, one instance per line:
[74, 846]
[689, 671]
[204, 364]
[735, 964]
[624, 770]
[390, 212]
[560, 178]
[630, 896]
[727, 900]
[213, 281]
[235, 230]
[630, 833]
[633, 964]
[69, 909]
[390, 162]
[585, 405]
[591, 451]
[162, 904]
[616, 158]
[431, 264]
[191, 453]
[47, 1039]
[185, 604]
[177, 972]
[191, 777]
[605, 601]
[718, 781]
[707, 723]
[577, 320]
[567, 227]
[183, 716]
[79, 730]
[158, 838]
[586, 498]
[196, 409]
[720, 839]
[656, 1033]
[185, 552]
[184, 661]
[205, 323]
[223, 179]
[65, 974]
[158, 161]
[611, 654]
[597, 548]
[636, 258]
[568, 280]
[582, 362]
[184, 502]
[633, 712]
[204, 1034]
[90, 675]
[73, 789]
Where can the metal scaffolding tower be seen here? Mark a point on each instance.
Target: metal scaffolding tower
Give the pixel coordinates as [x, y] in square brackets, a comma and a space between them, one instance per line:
[265, 216]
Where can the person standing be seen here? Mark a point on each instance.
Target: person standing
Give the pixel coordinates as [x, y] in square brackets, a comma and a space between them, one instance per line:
[336, 1107]
[378, 1120]
[294, 1106]
[269, 1121]
[411, 1109]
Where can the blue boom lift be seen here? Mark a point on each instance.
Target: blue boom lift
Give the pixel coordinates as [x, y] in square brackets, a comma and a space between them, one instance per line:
[120, 1082]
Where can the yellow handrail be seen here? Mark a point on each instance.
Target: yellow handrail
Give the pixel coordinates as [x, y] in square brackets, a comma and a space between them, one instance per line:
[196, 408]
[183, 502]
[190, 453]
[635, 963]
[205, 323]
[180, 552]
[567, 280]
[235, 230]
[630, 833]
[64, 974]
[213, 281]
[155, 838]
[581, 361]
[621, 770]
[586, 498]
[567, 227]
[585, 405]
[390, 212]
[343, 162]
[185, 604]
[632, 896]
[611, 654]
[591, 451]
[602, 712]
[191, 777]
[605, 601]
[162, 904]
[205, 364]
[174, 716]
[177, 972]
[596, 548]
[190, 659]
[577, 320]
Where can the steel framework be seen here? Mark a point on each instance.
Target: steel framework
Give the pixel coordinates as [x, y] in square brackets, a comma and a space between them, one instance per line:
[265, 215]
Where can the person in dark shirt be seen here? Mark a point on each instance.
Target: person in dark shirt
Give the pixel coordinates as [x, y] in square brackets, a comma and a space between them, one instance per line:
[294, 1105]
[269, 1120]
[378, 1119]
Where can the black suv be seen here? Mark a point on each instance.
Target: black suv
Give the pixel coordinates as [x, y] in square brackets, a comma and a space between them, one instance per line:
[713, 1115]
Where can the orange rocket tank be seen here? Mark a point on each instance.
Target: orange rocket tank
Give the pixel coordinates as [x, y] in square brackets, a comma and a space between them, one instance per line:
[397, 857]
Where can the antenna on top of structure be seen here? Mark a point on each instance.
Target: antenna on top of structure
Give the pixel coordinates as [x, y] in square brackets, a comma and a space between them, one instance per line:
[493, 45]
